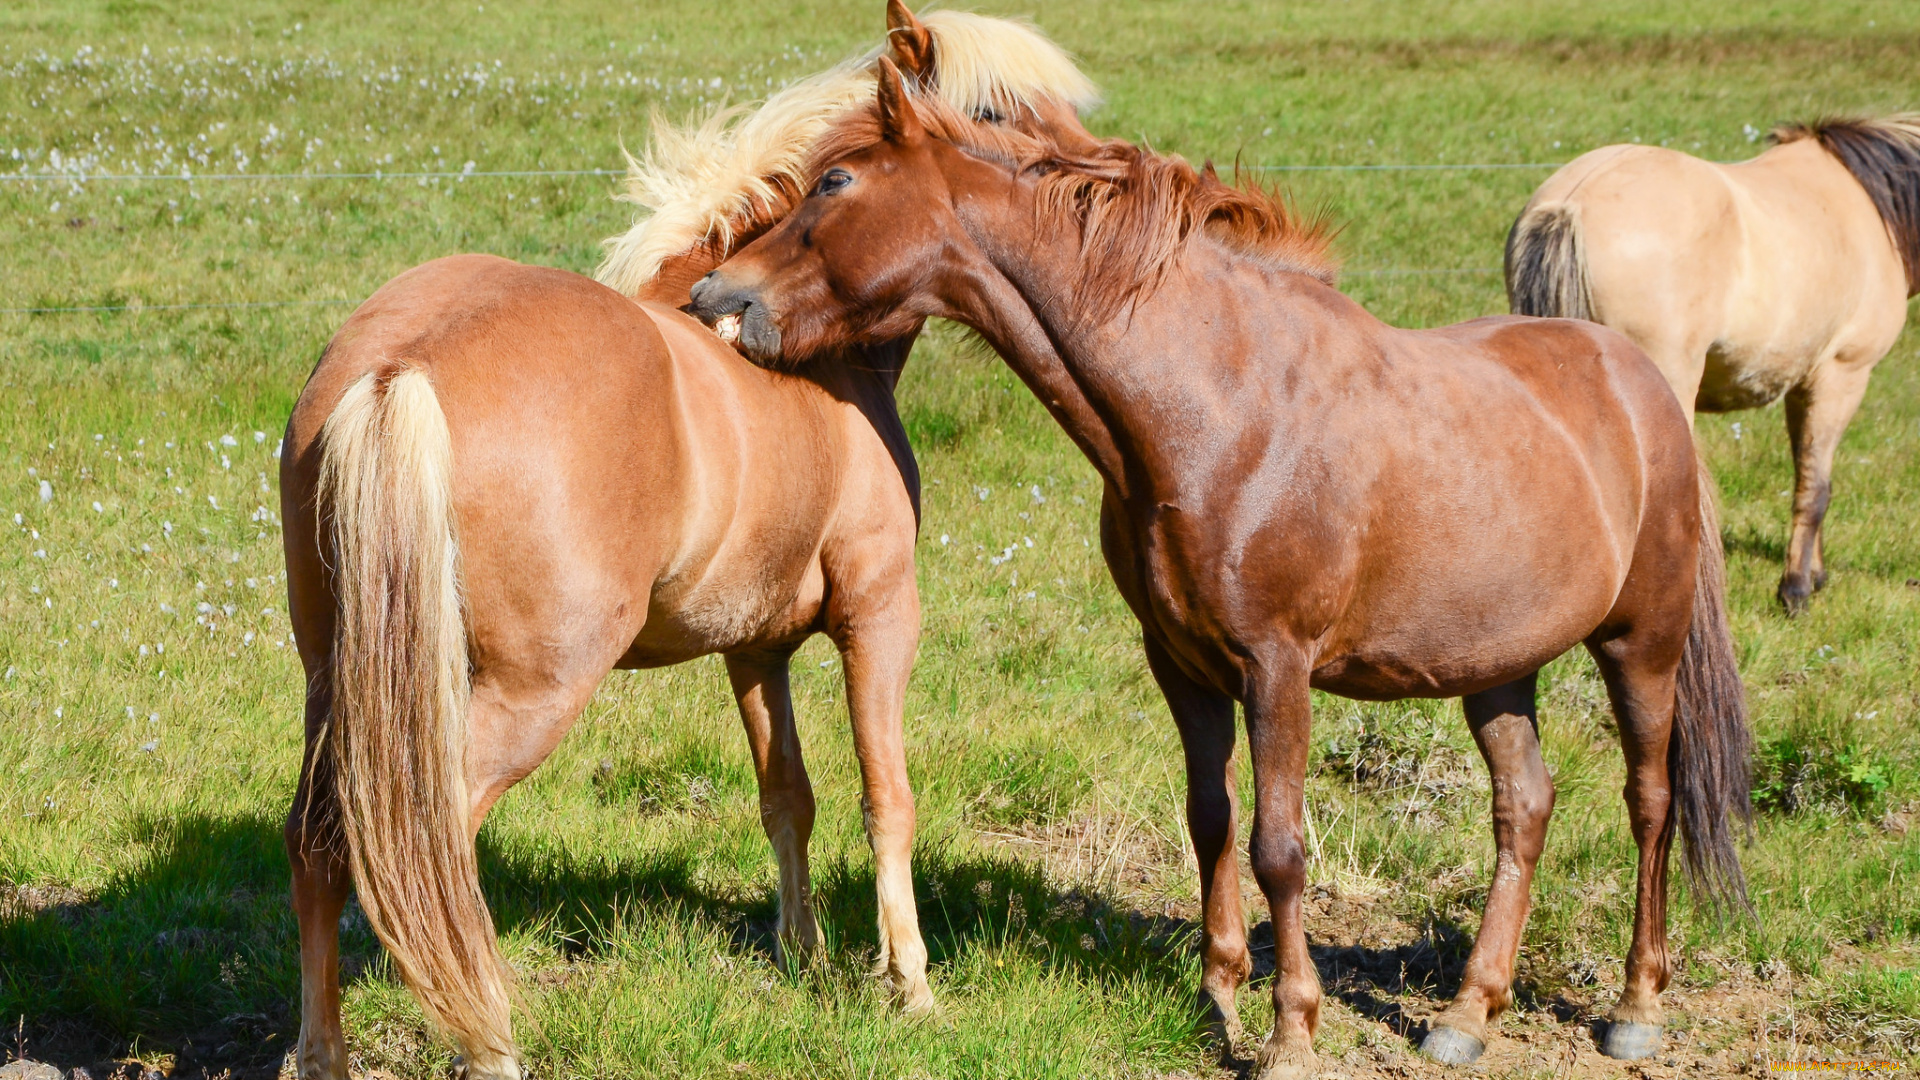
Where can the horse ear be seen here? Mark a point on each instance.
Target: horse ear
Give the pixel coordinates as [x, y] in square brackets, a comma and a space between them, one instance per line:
[898, 120]
[910, 43]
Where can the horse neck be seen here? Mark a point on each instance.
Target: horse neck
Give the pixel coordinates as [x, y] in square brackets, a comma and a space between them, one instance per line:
[1120, 396]
[866, 378]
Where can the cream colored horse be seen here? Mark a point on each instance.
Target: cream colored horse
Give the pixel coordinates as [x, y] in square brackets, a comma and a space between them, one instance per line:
[1787, 274]
[503, 481]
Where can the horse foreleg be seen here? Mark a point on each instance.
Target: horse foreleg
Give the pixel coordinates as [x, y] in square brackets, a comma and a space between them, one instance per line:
[1205, 719]
[320, 886]
[1279, 714]
[877, 648]
[761, 688]
[1504, 726]
[1818, 412]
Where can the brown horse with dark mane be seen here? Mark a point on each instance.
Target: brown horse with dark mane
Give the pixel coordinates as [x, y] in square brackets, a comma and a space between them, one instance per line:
[501, 482]
[1298, 496]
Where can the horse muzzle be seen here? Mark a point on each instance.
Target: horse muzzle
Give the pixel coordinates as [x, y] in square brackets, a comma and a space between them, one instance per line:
[737, 315]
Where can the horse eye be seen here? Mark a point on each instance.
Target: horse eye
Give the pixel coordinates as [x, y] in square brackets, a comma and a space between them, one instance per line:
[989, 115]
[833, 181]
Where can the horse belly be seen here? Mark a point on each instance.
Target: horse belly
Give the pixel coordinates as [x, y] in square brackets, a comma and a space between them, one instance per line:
[1737, 378]
[1472, 592]
[759, 605]
[1445, 646]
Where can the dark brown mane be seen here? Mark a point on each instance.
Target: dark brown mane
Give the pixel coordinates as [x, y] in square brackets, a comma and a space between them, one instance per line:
[1884, 155]
[1136, 210]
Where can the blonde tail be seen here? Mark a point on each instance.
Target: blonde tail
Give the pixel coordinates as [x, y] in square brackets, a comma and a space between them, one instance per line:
[400, 698]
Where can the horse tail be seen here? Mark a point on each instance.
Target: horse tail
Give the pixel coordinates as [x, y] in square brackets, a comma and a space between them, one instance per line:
[1710, 756]
[1547, 264]
[398, 731]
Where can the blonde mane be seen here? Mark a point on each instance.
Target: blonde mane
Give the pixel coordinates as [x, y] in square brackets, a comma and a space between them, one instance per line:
[708, 182]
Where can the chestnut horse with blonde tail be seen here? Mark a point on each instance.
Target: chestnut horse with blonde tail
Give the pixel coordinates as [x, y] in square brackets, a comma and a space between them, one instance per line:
[1298, 496]
[502, 482]
[1787, 274]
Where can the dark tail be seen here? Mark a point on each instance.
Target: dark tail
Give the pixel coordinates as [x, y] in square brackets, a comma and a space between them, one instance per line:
[1710, 757]
[1547, 264]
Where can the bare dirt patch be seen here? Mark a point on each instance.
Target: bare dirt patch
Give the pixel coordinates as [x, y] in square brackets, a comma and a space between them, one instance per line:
[1385, 976]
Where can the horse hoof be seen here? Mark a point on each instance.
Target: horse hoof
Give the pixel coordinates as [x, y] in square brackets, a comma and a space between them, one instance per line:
[1221, 1020]
[1630, 1041]
[1451, 1046]
[917, 1000]
[498, 1069]
[1795, 597]
[793, 952]
[1292, 1063]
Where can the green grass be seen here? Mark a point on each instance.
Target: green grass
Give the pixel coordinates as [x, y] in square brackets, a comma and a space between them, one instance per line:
[152, 746]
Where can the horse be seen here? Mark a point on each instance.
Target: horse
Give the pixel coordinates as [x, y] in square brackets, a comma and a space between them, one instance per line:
[501, 482]
[1784, 275]
[1299, 496]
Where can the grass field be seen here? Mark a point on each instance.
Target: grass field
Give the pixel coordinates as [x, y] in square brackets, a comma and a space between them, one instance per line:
[151, 703]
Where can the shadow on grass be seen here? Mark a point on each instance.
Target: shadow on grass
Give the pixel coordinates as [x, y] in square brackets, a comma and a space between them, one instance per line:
[1764, 545]
[196, 955]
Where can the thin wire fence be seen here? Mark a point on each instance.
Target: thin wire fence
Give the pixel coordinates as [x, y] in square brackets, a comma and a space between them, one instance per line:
[377, 174]
[138, 308]
[230, 305]
[380, 174]
[472, 174]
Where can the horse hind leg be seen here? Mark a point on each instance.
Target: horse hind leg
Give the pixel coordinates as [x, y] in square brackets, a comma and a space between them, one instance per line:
[1506, 729]
[320, 887]
[761, 688]
[1640, 683]
[519, 714]
[1818, 412]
